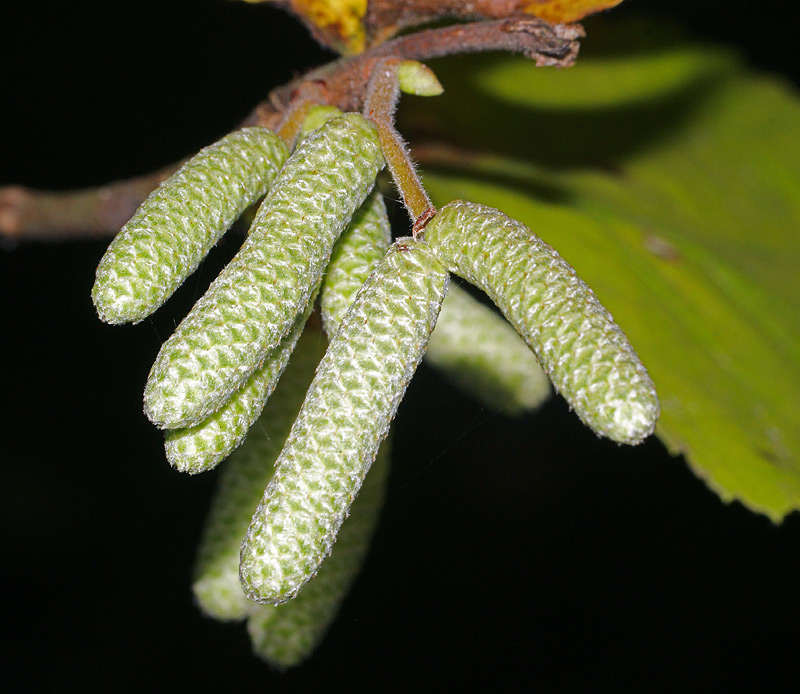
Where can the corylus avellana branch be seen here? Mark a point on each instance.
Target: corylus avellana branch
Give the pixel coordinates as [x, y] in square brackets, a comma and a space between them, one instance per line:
[27, 214]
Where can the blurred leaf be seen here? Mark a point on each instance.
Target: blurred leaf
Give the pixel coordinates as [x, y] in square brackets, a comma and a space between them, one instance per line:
[336, 23]
[563, 11]
[667, 174]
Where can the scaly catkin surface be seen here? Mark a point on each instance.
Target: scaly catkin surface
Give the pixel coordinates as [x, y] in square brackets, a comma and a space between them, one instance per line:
[241, 486]
[176, 226]
[346, 414]
[256, 298]
[202, 447]
[285, 635]
[479, 351]
[354, 257]
[586, 355]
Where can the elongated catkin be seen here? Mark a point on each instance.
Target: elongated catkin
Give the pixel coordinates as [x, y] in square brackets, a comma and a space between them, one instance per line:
[241, 485]
[479, 351]
[346, 414]
[285, 635]
[253, 303]
[355, 255]
[580, 347]
[176, 226]
[205, 445]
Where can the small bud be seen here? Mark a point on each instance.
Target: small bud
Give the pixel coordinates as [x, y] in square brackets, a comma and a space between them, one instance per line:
[316, 117]
[418, 79]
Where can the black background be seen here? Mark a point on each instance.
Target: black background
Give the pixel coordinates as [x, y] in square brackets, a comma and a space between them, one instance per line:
[507, 548]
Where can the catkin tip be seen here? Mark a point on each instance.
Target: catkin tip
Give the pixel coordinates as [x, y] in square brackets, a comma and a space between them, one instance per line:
[109, 307]
[636, 420]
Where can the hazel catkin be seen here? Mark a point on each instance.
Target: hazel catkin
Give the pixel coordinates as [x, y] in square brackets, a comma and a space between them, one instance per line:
[587, 356]
[179, 222]
[477, 349]
[345, 416]
[254, 301]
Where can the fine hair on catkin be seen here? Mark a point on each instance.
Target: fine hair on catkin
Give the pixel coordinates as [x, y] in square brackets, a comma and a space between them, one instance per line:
[175, 227]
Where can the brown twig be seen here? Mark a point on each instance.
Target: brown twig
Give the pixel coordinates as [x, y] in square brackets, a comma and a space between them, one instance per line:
[27, 214]
[383, 19]
[345, 80]
[34, 215]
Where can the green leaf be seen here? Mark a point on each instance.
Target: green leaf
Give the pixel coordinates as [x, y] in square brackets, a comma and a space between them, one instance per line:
[667, 174]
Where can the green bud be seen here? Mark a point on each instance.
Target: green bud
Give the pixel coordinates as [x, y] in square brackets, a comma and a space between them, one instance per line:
[254, 301]
[480, 352]
[176, 226]
[586, 355]
[418, 79]
[316, 117]
[345, 416]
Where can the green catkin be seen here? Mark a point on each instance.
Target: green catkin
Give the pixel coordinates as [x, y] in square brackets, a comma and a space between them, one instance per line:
[346, 414]
[354, 257]
[360, 248]
[286, 635]
[204, 446]
[176, 226]
[242, 481]
[253, 303]
[356, 253]
[479, 351]
[586, 355]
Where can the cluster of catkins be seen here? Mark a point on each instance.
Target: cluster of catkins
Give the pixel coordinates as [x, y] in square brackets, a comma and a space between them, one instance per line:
[321, 237]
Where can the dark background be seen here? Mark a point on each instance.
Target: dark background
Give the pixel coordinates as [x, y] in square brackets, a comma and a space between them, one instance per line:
[507, 548]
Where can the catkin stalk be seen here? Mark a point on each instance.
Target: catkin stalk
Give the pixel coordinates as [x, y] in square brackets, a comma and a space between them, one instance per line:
[346, 414]
[577, 342]
[254, 301]
[179, 222]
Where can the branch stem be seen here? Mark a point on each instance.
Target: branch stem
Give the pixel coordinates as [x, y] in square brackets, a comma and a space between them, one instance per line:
[379, 106]
[27, 214]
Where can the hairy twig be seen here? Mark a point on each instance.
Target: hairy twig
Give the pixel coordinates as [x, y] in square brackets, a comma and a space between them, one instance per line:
[27, 214]
[345, 81]
[379, 107]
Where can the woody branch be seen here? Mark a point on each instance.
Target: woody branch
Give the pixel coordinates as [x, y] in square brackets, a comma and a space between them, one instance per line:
[27, 214]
